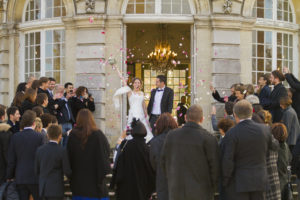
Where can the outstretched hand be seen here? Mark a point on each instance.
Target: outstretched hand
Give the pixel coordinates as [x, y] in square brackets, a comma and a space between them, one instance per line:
[286, 70]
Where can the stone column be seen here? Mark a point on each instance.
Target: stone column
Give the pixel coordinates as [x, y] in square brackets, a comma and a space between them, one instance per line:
[4, 65]
[89, 72]
[113, 42]
[203, 67]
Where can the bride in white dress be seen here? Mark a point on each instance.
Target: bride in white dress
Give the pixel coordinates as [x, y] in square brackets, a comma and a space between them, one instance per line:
[137, 105]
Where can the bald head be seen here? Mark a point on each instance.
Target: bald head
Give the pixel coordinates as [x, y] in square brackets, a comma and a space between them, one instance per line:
[243, 109]
[194, 114]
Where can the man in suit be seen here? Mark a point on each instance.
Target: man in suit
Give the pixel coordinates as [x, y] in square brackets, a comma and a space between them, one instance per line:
[21, 155]
[51, 163]
[245, 148]
[51, 86]
[190, 159]
[161, 100]
[13, 115]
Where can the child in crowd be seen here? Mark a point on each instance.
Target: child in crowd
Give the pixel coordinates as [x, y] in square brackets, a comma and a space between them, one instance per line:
[51, 164]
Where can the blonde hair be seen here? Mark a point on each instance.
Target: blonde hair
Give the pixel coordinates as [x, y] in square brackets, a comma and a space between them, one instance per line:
[38, 125]
[266, 117]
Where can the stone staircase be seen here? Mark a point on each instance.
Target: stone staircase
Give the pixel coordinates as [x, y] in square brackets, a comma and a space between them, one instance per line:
[68, 193]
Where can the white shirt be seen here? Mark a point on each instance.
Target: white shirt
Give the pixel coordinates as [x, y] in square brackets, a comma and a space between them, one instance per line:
[53, 141]
[245, 119]
[156, 110]
[26, 128]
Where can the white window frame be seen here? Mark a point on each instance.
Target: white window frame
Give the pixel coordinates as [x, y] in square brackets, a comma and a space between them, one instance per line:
[278, 26]
[41, 26]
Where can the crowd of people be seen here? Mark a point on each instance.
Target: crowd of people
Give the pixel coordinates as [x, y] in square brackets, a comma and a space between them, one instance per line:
[50, 136]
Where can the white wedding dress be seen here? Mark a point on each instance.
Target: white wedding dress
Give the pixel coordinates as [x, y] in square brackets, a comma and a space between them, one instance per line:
[136, 108]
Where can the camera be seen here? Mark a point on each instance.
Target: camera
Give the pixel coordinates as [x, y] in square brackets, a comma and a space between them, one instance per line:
[128, 132]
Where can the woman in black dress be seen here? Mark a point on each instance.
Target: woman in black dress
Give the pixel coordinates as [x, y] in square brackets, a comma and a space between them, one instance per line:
[88, 151]
[133, 174]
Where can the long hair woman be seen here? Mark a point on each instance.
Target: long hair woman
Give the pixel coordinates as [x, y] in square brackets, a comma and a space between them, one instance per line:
[133, 174]
[81, 101]
[88, 151]
[18, 99]
[29, 100]
[164, 124]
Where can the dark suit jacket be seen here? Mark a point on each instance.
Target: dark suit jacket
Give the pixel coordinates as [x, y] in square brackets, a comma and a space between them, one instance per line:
[264, 96]
[190, 160]
[245, 149]
[51, 163]
[21, 156]
[62, 113]
[217, 97]
[26, 105]
[77, 105]
[295, 85]
[278, 92]
[5, 135]
[166, 101]
[51, 101]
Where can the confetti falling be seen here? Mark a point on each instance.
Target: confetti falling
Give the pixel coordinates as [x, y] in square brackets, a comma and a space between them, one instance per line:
[91, 19]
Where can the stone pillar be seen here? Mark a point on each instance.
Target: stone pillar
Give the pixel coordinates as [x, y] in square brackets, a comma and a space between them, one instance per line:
[203, 67]
[90, 48]
[113, 42]
[4, 65]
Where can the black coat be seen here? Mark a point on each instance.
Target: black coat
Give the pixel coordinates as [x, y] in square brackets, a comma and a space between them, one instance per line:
[156, 145]
[181, 112]
[51, 101]
[166, 104]
[14, 128]
[133, 174]
[26, 105]
[264, 96]
[5, 135]
[243, 165]
[77, 105]
[62, 113]
[296, 158]
[278, 92]
[51, 164]
[295, 85]
[21, 156]
[217, 97]
[190, 160]
[89, 164]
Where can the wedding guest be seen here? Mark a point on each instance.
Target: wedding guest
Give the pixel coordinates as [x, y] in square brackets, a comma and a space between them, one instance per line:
[181, 111]
[266, 117]
[42, 100]
[35, 85]
[295, 88]
[244, 167]
[133, 176]
[29, 100]
[39, 127]
[228, 114]
[220, 99]
[224, 125]
[44, 86]
[190, 159]
[81, 101]
[38, 111]
[88, 151]
[264, 91]
[240, 92]
[21, 155]
[290, 120]
[13, 116]
[164, 125]
[278, 92]
[280, 133]
[29, 82]
[18, 99]
[21, 87]
[51, 87]
[250, 96]
[5, 135]
[51, 164]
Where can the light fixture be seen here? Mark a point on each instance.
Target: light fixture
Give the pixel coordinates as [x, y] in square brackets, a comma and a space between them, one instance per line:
[162, 58]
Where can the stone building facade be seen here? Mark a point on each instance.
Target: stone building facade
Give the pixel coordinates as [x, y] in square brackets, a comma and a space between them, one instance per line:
[231, 41]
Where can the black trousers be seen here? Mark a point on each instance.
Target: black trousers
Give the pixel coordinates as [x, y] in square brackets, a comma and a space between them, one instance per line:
[231, 194]
[152, 120]
[25, 190]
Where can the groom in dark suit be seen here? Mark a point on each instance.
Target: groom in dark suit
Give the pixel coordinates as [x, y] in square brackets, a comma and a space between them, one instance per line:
[161, 100]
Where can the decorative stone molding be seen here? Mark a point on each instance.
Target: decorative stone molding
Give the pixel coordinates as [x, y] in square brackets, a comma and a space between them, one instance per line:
[90, 6]
[227, 7]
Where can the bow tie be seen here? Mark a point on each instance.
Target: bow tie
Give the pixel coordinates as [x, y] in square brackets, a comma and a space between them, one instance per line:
[160, 90]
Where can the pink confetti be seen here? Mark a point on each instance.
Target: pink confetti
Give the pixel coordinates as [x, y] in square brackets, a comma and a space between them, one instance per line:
[128, 73]
[103, 32]
[91, 19]
[182, 38]
[189, 77]
[90, 78]
[178, 108]
[180, 114]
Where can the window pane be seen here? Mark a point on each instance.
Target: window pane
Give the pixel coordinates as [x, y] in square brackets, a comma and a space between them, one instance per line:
[49, 52]
[130, 9]
[37, 65]
[260, 37]
[139, 9]
[268, 65]
[279, 39]
[260, 50]
[260, 65]
[49, 65]
[48, 36]
[57, 12]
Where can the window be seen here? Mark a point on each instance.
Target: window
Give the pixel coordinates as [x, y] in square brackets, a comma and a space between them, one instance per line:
[158, 7]
[273, 9]
[272, 48]
[45, 48]
[261, 54]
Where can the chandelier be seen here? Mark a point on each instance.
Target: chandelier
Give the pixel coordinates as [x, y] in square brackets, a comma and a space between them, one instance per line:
[162, 58]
